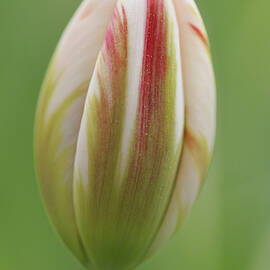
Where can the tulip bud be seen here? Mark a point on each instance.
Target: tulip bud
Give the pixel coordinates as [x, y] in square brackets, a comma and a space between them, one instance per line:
[125, 127]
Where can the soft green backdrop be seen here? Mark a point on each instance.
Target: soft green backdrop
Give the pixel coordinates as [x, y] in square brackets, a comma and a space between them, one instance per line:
[229, 227]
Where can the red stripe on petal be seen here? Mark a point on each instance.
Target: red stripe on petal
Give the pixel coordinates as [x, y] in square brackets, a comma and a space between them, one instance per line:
[154, 71]
[200, 35]
[107, 111]
[150, 148]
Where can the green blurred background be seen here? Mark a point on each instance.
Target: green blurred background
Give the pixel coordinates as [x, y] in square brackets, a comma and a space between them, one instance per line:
[229, 227]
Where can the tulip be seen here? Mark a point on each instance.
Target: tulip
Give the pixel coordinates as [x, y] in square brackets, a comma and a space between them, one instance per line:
[125, 128]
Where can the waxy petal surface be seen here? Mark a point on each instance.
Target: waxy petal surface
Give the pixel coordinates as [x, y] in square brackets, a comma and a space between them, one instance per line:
[125, 127]
[200, 117]
[60, 110]
[131, 135]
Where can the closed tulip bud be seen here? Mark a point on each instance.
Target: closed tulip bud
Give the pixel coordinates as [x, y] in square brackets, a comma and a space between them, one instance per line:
[125, 127]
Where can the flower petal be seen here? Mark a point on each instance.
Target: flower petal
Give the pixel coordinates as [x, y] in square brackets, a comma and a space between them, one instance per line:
[60, 110]
[200, 109]
[131, 135]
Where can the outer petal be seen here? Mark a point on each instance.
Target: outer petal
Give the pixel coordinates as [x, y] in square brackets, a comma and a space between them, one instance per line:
[131, 135]
[200, 109]
[59, 114]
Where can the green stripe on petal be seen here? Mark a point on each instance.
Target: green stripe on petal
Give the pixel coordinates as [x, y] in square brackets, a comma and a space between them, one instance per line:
[59, 115]
[120, 204]
[54, 165]
[200, 109]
